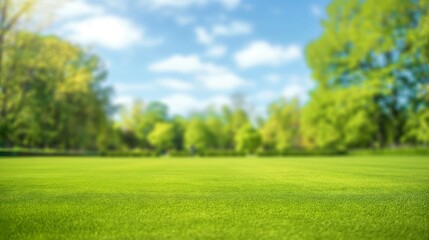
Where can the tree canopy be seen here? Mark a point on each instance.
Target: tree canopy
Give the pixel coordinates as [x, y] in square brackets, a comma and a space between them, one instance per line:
[372, 72]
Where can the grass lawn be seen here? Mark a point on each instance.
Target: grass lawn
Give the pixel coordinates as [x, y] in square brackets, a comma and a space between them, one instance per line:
[249, 198]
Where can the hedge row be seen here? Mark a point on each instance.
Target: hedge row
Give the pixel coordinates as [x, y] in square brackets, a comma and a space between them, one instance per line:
[147, 153]
[21, 152]
[421, 151]
[297, 152]
[211, 153]
[131, 153]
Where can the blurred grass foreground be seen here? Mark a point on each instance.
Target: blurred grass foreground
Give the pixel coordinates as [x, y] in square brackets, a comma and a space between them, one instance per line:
[219, 198]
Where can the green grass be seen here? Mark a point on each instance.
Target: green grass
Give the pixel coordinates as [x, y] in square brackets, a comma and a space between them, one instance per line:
[249, 198]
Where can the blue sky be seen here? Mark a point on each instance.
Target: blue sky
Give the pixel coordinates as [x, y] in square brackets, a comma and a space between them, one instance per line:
[190, 54]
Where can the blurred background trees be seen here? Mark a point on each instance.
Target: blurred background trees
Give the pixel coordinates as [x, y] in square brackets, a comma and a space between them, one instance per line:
[370, 65]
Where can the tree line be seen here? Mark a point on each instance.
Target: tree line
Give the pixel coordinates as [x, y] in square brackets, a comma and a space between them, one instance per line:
[370, 65]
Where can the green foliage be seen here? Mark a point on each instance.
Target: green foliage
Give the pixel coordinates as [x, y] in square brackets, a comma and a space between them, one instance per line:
[403, 151]
[52, 100]
[301, 152]
[372, 57]
[281, 131]
[219, 131]
[46, 152]
[222, 153]
[179, 125]
[162, 136]
[197, 135]
[139, 121]
[417, 125]
[234, 120]
[248, 139]
[179, 154]
[340, 119]
[130, 153]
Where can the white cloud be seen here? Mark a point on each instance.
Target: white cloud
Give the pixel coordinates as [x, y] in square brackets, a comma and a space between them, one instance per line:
[221, 80]
[124, 101]
[171, 83]
[266, 95]
[210, 75]
[132, 87]
[235, 28]
[294, 91]
[273, 78]
[181, 104]
[184, 104]
[184, 20]
[46, 12]
[232, 29]
[183, 64]
[230, 4]
[316, 10]
[175, 84]
[203, 36]
[264, 53]
[119, 5]
[298, 87]
[89, 24]
[107, 31]
[77, 9]
[182, 4]
[216, 51]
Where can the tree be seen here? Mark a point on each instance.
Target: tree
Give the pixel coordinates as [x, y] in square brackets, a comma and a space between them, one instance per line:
[179, 125]
[54, 100]
[340, 119]
[377, 50]
[197, 135]
[281, 131]
[247, 139]
[234, 119]
[216, 125]
[10, 14]
[138, 122]
[152, 114]
[417, 126]
[162, 136]
[129, 121]
[48, 99]
[15, 49]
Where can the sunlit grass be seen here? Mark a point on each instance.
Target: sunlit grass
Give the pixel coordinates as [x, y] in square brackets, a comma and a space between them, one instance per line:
[250, 198]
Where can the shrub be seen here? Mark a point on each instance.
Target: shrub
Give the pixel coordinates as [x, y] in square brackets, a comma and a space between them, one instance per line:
[27, 152]
[130, 153]
[179, 154]
[300, 152]
[404, 151]
[222, 153]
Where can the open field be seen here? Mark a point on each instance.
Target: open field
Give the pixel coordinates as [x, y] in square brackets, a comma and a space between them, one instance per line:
[294, 198]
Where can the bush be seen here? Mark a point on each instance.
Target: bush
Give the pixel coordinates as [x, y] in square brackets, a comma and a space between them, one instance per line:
[300, 152]
[179, 154]
[267, 153]
[221, 153]
[402, 151]
[27, 152]
[130, 153]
